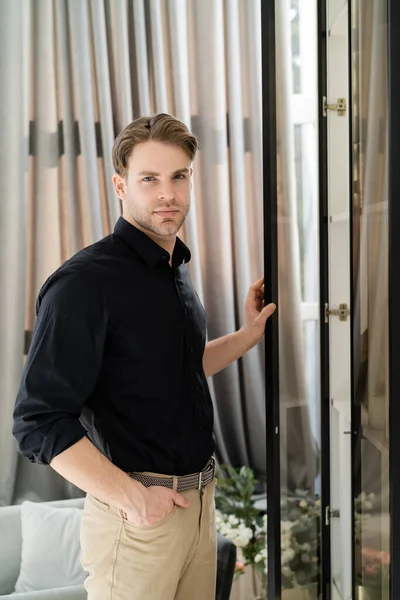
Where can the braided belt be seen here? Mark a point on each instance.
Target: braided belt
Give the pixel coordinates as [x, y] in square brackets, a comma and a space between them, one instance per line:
[196, 481]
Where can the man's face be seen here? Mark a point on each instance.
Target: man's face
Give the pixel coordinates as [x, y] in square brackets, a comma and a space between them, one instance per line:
[156, 190]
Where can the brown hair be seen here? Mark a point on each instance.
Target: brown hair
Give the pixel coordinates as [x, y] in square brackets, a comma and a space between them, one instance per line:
[160, 128]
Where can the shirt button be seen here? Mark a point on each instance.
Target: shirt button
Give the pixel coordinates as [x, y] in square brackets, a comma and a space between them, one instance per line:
[191, 350]
[165, 258]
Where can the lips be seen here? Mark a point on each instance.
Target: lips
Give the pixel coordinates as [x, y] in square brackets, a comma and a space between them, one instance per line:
[166, 213]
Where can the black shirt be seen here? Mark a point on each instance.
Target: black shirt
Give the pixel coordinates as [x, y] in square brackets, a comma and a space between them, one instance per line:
[117, 355]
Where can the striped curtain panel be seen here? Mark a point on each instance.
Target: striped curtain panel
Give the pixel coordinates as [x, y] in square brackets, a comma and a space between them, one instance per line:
[73, 74]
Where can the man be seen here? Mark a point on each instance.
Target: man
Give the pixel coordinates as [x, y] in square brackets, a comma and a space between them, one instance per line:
[114, 395]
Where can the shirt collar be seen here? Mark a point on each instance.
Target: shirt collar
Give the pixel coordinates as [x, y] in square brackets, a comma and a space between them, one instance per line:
[147, 249]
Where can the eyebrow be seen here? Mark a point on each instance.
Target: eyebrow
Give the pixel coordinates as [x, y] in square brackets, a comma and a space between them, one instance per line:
[154, 174]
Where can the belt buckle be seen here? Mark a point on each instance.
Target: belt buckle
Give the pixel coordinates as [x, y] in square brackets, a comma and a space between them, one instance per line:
[211, 465]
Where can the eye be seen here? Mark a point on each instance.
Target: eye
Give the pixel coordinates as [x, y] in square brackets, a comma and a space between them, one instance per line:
[180, 176]
[148, 178]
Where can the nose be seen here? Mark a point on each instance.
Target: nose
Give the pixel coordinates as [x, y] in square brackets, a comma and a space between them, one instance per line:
[166, 193]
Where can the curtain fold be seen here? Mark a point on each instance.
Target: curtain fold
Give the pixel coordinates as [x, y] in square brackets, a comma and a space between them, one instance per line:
[105, 106]
[71, 239]
[120, 68]
[143, 72]
[14, 150]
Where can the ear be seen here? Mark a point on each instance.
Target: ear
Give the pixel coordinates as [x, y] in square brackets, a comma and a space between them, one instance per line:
[119, 186]
[191, 177]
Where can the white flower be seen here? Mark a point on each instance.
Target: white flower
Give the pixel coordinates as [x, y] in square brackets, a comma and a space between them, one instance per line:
[258, 558]
[287, 555]
[303, 504]
[285, 542]
[286, 526]
[306, 547]
[243, 538]
[218, 518]
[234, 529]
[233, 520]
[287, 571]
[305, 558]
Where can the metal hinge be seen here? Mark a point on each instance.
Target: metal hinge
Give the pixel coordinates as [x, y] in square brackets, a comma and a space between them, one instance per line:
[340, 107]
[331, 514]
[343, 312]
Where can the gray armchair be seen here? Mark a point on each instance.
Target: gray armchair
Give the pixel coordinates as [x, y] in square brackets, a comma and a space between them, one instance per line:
[10, 560]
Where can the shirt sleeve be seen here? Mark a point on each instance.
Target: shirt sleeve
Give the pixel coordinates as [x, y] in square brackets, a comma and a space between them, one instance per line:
[62, 367]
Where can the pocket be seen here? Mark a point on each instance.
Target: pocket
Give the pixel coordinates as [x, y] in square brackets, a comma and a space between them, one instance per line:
[98, 503]
[167, 518]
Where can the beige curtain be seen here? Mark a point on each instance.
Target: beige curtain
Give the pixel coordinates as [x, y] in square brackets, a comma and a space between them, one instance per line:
[85, 69]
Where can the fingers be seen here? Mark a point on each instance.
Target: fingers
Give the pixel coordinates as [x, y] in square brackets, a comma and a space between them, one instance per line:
[268, 310]
[180, 500]
[258, 284]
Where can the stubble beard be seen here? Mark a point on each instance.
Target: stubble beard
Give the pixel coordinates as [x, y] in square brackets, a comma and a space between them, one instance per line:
[168, 229]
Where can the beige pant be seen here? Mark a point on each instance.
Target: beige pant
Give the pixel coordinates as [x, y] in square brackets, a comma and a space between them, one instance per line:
[171, 560]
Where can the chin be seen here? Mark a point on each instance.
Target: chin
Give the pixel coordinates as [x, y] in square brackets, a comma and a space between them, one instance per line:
[169, 232]
[168, 228]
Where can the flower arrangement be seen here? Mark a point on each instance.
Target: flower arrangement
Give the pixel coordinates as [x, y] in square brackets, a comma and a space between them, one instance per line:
[239, 520]
[301, 511]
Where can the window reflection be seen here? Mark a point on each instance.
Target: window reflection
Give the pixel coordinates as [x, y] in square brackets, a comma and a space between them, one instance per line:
[297, 160]
[370, 322]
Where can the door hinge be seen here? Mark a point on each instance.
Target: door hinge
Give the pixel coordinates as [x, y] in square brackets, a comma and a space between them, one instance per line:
[331, 514]
[340, 107]
[343, 312]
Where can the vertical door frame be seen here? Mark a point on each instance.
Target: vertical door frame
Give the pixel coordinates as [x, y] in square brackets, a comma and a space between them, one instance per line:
[394, 289]
[354, 213]
[325, 551]
[270, 202]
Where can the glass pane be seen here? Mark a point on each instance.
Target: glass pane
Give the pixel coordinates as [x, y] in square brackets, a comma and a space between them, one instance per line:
[370, 322]
[338, 163]
[298, 259]
[295, 35]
